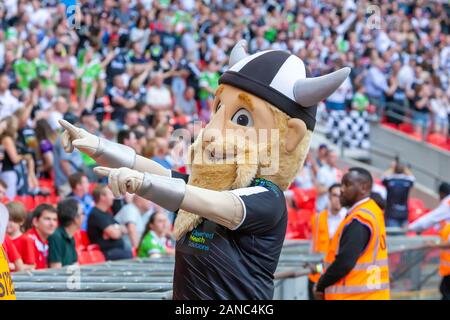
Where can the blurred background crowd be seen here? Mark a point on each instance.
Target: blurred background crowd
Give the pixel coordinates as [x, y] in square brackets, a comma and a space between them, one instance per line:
[133, 71]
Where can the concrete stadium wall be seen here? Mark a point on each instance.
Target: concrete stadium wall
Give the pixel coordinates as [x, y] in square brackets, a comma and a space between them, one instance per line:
[429, 164]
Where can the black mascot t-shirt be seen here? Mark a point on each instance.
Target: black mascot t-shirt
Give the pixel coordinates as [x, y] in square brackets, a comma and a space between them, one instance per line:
[213, 262]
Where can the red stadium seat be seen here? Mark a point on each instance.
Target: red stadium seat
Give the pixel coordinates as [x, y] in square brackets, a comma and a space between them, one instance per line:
[390, 125]
[84, 256]
[28, 202]
[416, 209]
[406, 128]
[81, 239]
[95, 254]
[438, 140]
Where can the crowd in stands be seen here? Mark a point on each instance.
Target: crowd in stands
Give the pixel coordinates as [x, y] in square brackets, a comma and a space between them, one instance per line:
[133, 71]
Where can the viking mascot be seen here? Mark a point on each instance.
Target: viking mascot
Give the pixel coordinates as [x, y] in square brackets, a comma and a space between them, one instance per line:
[231, 213]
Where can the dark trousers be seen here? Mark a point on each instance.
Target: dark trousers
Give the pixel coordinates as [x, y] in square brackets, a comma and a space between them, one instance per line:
[118, 254]
[445, 288]
[310, 289]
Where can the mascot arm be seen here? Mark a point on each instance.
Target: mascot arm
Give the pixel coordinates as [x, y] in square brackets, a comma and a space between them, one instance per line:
[107, 153]
[223, 208]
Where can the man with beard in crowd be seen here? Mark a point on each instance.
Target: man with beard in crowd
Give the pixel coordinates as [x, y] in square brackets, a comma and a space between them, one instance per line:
[232, 215]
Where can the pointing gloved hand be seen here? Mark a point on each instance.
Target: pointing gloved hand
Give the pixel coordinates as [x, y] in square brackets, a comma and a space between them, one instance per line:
[78, 138]
[103, 151]
[121, 180]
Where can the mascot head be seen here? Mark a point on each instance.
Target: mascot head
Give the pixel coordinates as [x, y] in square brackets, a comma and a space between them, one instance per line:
[263, 117]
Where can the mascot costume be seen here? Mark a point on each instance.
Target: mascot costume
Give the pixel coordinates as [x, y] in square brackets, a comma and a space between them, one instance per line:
[231, 212]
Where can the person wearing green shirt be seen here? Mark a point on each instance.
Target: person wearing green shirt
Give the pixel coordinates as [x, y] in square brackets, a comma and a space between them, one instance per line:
[153, 243]
[28, 68]
[61, 244]
[90, 68]
[360, 102]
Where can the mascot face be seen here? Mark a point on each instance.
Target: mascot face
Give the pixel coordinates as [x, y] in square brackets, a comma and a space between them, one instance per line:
[263, 118]
[247, 137]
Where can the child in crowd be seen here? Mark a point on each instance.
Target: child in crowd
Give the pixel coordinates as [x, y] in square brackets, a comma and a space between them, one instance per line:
[23, 243]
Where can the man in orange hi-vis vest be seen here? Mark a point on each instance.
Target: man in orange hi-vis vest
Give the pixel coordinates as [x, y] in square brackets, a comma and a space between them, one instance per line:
[6, 284]
[356, 264]
[323, 226]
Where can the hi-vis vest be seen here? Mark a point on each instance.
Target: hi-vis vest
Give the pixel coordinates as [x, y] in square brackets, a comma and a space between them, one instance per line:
[369, 279]
[6, 285]
[444, 268]
[320, 237]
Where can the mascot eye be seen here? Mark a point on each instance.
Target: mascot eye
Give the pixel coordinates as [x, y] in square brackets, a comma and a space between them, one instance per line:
[243, 118]
[219, 105]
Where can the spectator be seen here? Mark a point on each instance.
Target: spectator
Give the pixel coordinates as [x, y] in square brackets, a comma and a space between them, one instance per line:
[15, 261]
[161, 153]
[154, 241]
[158, 95]
[208, 83]
[44, 223]
[420, 103]
[103, 229]
[134, 216]
[187, 103]
[59, 109]
[397, 101]
[440, 107]
[65, 164]
[323, 227]
[376, 85]
[12, 157]
[8, 103]
[360, 102]
[46, 137]
[322, 154]
[398, 181]
[327, 175]
[3, 187]
[119, 101]
[128, 138]
[306, 179]
[23, 243]
[79, 184]
[61, 244]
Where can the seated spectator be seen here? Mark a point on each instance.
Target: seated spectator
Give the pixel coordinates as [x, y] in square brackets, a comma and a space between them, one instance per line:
[103, 229]
[14, 259]
[134, 216]
[44, 223]
[128, 138]
[9, 104]
[161, 152]
[23, 243]
[187, 103]
[398, 180]
[79, 183]
[119, 101]
[65, 164]
[61, 244]
[154, 241]
[158, 95]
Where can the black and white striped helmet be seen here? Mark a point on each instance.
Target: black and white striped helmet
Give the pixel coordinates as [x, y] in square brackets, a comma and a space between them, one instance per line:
[280, 78]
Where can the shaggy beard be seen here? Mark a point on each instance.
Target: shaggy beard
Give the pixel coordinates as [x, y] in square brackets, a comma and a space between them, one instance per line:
[214, 176]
